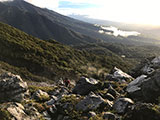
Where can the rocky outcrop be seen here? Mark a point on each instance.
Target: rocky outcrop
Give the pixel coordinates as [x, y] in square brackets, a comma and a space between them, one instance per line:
[12, 87]
[89, 99]
[145, 88]
[85, 85]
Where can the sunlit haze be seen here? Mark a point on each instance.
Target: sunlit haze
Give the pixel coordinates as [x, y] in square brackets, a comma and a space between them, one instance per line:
[131, 11]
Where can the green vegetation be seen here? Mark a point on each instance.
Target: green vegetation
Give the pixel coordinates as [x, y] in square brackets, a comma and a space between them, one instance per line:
[33, 88]
[39, 60]
[132, 53]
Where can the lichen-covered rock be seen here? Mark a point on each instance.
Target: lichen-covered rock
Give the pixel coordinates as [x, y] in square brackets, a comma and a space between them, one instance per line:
[121, 105]
[12, 88]
[92, 102]
[85, 85]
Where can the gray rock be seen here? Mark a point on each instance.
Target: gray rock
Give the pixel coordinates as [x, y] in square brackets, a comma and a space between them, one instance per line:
[84, 86]
[109, 116]
[92, 102]
[118, 76]
[135, 85]
[12, 88]
[121, 105]
[145, 89]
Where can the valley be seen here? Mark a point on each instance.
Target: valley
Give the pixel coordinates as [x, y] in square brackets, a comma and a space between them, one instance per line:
[54, 67]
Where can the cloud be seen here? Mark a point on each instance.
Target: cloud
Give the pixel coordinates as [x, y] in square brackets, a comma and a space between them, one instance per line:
[139, 11]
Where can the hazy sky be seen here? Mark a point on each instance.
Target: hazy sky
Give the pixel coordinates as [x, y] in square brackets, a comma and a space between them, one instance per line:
[133, 11]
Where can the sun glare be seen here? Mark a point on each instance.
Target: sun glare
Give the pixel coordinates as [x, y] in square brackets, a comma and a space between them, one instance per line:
[136, 11]
[131, 11]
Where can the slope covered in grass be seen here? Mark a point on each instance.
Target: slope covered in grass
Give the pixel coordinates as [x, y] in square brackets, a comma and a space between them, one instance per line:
[36, 59]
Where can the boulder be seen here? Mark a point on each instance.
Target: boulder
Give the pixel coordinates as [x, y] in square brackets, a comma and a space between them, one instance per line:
[12, 88]
[109, 116]
[92, 102]
[145, 89]
[85, 85]
[121, 105]
[118, 75]
[135, 85]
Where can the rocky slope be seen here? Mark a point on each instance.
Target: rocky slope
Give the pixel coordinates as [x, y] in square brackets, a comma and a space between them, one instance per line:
[118, 97]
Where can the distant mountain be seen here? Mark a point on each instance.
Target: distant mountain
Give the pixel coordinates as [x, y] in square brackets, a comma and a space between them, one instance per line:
[47, 24]
[40, 23]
